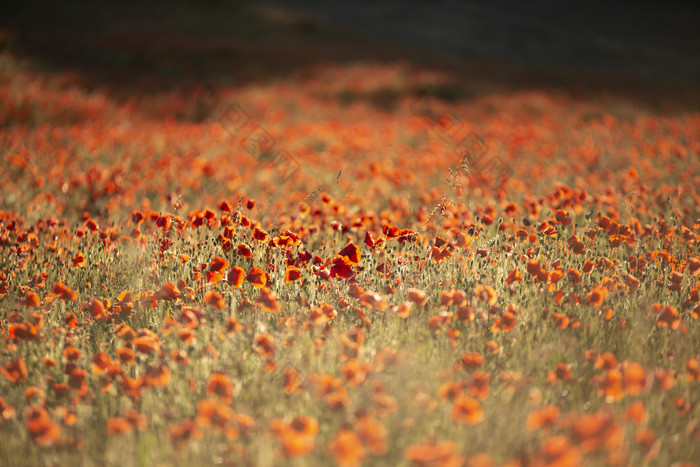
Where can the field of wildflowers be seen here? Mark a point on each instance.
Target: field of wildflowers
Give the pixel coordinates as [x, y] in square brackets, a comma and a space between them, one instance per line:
[342, 262]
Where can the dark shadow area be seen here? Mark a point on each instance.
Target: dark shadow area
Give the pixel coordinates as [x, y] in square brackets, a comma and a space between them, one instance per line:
[644, 52]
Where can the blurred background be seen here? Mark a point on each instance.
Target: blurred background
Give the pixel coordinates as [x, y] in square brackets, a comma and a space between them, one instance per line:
[393, 89]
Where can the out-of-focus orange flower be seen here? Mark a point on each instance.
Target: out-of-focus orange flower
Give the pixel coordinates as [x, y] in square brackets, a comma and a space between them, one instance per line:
[6, 410]
[664, 379]
[668, 317]
[439, 454]
[118, 426]
[373, 434]
[183, 432]
[265, 343]
[96, 308]
[220, 385]
[346, 449]
[214, 414]
[31, 300]
[544, 418]
[634, 378]
[637, 413]
[693, 368]
[126, 355]
[466, 409]
[486, 294]
[471, 360]
[157, 376]
[292, 381]
[168, 291]
[479, 385]
[558, 451]
[597, 430]
[267, 300]
[417, 296]
[214, 299]
[596, 296]
[79, 260]
[354, 372]
[43, 430]
[298, 438]
[15, 370]
[612, 386]
[63, 292]
[147, 342]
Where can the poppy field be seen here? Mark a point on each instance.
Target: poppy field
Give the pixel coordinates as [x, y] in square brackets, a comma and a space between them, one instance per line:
[340, 261]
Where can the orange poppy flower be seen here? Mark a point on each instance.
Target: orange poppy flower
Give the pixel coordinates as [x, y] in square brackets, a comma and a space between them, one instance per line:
[118, 426]
[471, 360]
[634, 378]
[79, 260]
[466, 409]
[260, 235]
[15, 370]
[669, 317]
[31, 300]
[267, 300]
[236, 276]
[214, 414]
[214, 299]
[486, 293]
[352, 253]
[157, 376]
[168, 291]
[298, 438]
[126, 355]
[96, 308]
[43, 430]
[597, 296]
[417, 296]
[244, 251]
[291, 274]
[292, 381]
[256, 277]
[215, 271]
[434, 454]
[184, 431]
[147, 342]
[544, 418]
[558, 451]
[373, 434]
[587, 266]
[513, 277]
[222, 386]
[6, 410]
[479, 385]
[346, 449]
[64, 293]
[354, 372]
[403, 309]
[637, 413]
[693, 367]
[265, 343]
[341, 267]
[597, 430]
